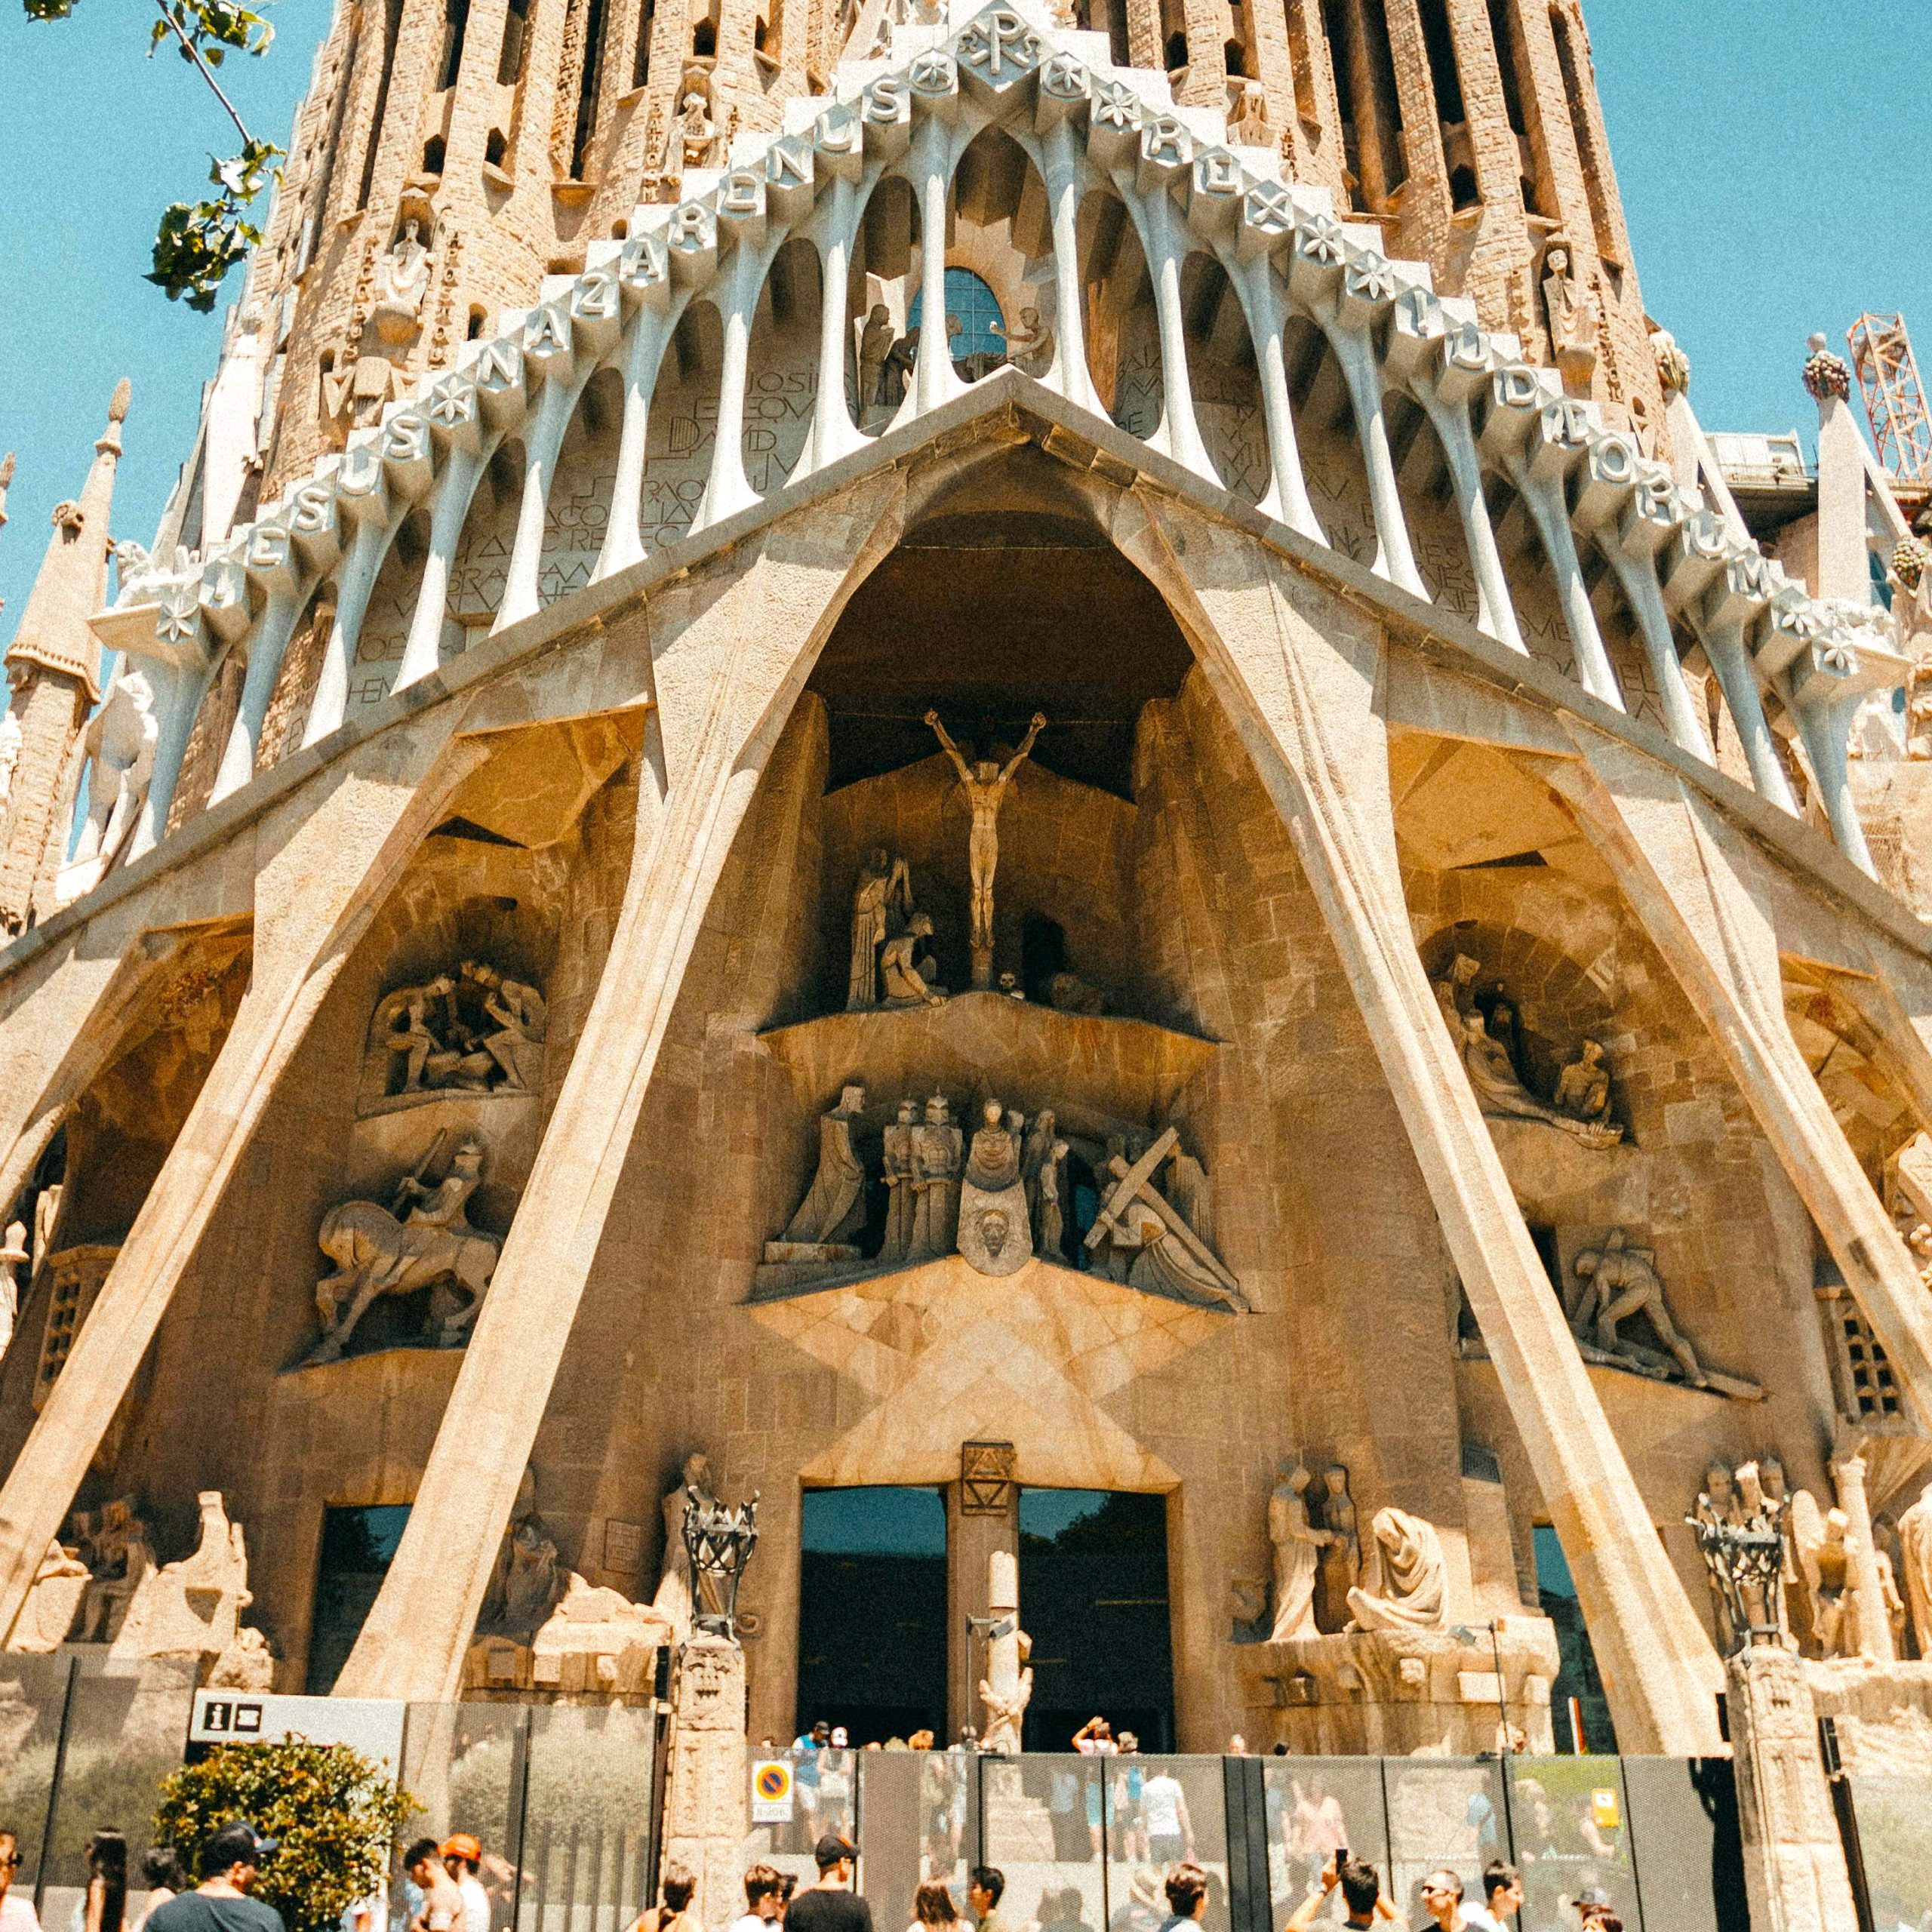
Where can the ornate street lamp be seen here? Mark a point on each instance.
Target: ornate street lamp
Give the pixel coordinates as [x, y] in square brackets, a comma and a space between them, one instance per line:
[1747, 1561]
[719, 1541]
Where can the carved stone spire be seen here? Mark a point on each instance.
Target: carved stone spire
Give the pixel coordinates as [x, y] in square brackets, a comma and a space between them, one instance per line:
[53, 667]
[73, 583]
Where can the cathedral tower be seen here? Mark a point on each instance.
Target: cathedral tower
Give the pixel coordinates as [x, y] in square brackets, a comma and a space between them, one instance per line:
[53, 665]
[451, 153]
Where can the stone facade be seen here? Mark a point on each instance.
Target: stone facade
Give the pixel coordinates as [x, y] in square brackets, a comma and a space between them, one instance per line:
[523, 983]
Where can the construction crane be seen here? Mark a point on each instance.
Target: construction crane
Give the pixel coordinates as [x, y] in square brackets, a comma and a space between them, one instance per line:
[1894, 399]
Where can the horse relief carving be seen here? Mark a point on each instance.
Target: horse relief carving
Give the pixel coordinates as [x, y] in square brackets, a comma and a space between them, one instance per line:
[422, 1239]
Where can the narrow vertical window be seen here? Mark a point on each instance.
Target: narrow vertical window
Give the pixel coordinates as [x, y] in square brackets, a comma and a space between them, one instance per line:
[587, 92]
[641, 65]
[456, 25]
[1442, 71]
[516, 28]
[1596, 163]
[392, 27]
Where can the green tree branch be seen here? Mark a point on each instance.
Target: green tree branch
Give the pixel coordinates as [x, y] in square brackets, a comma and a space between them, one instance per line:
[197, 242]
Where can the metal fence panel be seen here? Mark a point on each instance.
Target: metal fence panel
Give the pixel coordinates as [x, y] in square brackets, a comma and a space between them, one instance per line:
[1895, 1835]
[589, 1816]
[33, 1707]
[126, 1731]
[1570, 1822]
[1443, 1812]
[1684, 1833]
[1316, 1806]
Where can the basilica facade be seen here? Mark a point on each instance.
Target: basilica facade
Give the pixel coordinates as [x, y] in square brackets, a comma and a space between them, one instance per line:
[989, 769]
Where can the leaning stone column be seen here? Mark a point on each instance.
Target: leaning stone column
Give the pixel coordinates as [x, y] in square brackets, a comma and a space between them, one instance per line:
[1684, 874]
[728, 663]
[328, 864]
[1297, 670]
[1794, 1874]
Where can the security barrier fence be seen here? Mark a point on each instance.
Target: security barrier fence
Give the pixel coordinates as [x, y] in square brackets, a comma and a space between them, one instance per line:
[563, 1799]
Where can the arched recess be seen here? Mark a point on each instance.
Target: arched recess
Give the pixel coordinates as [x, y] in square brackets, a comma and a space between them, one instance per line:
[781, 380]
[378, 654]
[1430, 508]
[1117, 298]
[117, 1134]
[880, 283]
[287, 710]
[482, 562]
[578, 512]
[1532, 585]
[683, 427]
[1001, 231]
[1330, 447]
[1222, 373]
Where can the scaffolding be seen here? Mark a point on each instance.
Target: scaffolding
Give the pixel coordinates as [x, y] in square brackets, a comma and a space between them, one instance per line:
[1894, 397]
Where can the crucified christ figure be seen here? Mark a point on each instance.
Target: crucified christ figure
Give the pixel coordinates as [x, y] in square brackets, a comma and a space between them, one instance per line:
[985, 785]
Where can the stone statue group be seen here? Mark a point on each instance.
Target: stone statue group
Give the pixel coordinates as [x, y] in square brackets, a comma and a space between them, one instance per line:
[474, 1031]
[1838, 1581]
[1001, 1198]
[889, 965]
[1322, 1584]
[1580, 1105]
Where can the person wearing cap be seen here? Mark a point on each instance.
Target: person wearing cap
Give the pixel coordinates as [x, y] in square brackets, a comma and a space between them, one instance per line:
[463, 1859]
[230, 1863]
[830, 1906]
[442, 1909]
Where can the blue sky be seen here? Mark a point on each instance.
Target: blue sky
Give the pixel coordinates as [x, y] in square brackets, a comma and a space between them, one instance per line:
[1771, 161]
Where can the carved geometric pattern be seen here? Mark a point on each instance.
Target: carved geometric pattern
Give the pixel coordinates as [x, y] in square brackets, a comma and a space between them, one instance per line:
[986, 1485]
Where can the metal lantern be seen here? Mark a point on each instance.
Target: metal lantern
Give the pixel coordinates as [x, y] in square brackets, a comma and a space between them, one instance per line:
[718, 1541]
[1747, 1560]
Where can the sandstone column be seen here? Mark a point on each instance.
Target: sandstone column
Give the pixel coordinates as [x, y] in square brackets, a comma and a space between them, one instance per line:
[707, 1808]
[1794, 1874]
[1683, 873]
[730, 653]
[1874, 1628]
[329, 858]
[1297, 670]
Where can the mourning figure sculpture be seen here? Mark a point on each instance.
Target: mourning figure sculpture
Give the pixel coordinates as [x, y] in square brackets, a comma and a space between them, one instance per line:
[1405, 1589]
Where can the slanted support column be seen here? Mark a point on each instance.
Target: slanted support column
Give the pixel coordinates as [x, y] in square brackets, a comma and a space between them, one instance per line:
[728, 671]
[332, 861]
[1686, 879]
[1298, 671]
[645, 274]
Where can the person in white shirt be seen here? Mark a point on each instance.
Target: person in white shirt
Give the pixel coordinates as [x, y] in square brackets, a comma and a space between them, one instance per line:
[17, 1911]
[1503, 1898]
[1170, 1829]
[463, 1857]
[765, 1891]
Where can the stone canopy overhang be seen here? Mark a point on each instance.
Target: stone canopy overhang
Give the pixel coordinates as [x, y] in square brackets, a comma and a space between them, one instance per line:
[1443, 675]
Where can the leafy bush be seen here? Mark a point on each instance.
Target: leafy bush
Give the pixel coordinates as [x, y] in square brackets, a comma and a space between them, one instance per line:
[336, 1813]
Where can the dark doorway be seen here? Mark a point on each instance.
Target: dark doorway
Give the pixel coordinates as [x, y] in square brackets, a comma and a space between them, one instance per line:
[1042, 954]
[1576, 1698]
[358, 1547]
[872, 1612]
[1094, 1597]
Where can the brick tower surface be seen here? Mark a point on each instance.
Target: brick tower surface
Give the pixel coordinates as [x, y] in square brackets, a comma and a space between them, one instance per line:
[53, 667]
[506, 136]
